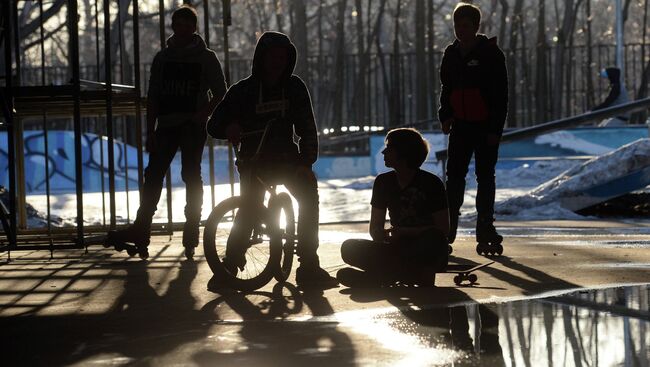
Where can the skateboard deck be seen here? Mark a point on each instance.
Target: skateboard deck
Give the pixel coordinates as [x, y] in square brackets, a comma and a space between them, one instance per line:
[465, 272]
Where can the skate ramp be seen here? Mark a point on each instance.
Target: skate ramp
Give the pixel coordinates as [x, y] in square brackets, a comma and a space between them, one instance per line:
[597, 180]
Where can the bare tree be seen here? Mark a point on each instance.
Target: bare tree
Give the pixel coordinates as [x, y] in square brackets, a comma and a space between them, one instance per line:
[421, 105]
[299, 36]
[339, 64]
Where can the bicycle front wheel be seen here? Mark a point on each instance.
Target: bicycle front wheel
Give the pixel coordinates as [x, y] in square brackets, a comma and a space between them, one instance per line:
[281, 210]
[261, 255]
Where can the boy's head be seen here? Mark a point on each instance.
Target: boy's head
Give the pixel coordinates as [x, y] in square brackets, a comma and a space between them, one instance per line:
[184, 21]
[467, 20]
[407, 145]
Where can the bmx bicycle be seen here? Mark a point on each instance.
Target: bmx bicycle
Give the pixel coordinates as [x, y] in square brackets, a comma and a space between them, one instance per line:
[272, 241]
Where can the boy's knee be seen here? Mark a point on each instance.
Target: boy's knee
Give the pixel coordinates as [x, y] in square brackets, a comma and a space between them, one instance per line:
[347, 250]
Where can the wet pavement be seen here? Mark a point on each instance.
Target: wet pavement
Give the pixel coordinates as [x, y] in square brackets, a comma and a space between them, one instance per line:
[549, 300]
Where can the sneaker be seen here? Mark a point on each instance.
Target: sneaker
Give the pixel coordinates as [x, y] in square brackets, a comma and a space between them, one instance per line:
[190, 235]
[233, 265]
[315, 277]
[189, 252]
[354, 278]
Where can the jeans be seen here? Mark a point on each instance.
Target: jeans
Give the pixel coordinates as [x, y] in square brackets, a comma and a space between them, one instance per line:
[190, 138]
[467, 139]
[304, 190]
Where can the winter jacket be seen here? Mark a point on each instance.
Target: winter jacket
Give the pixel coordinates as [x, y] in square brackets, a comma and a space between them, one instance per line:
[288, 105]
[475, 86]
[183, 80]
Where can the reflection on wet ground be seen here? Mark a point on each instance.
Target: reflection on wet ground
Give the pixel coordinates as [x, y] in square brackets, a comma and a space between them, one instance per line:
[605, 327]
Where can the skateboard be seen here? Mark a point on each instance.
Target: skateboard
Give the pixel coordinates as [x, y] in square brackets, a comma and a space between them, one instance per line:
[113, 240]
[465, 272]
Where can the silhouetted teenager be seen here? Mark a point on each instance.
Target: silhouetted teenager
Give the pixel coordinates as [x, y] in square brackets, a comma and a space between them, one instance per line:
[273, 93]
[473, 108]
[617, 95]
[415, 247]
[185, 85]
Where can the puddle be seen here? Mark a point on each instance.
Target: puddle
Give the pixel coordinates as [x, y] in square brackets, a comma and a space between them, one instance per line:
[604, 327]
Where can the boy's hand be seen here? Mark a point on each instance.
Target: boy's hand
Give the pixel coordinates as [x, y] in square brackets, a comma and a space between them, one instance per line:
[150, 143]
[446, 126]
[233, 133]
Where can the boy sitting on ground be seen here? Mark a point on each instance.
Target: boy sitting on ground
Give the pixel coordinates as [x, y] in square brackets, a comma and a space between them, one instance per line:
[415, 247]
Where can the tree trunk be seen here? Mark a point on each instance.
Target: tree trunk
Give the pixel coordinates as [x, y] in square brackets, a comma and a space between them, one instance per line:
[421, 105]
[563, 35]
[359, 97]
[299, 36]
[339, 65]
[641, 117]
[541, 97]
[588, 68]
[511, 63]
[395, 91]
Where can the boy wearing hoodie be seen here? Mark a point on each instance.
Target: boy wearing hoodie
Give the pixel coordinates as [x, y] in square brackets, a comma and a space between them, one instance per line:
[185, 85]
[473, 108]
[273, 93]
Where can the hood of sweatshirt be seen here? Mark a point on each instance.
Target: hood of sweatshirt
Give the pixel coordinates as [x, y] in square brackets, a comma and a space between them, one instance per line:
[196, 46]
[267, 41]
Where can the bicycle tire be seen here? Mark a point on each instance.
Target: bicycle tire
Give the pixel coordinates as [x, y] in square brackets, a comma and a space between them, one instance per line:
[279, 206]
[261, 258]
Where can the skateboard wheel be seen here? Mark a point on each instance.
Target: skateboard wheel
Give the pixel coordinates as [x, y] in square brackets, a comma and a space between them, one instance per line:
[457, 279]
[479, 249]
[472, 278]
[450, 249]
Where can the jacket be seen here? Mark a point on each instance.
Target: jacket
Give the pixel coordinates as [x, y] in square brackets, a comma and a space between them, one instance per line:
[183, 80]
[288, 105]
[475, 86]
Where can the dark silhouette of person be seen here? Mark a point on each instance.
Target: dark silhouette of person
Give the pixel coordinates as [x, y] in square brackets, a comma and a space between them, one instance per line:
[617, 95]
[473, 109]
[415, 247]
[272, 93]
[185, 85]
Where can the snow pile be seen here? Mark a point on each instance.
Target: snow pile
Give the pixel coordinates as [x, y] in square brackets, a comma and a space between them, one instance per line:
[544, 200]
[567, 140]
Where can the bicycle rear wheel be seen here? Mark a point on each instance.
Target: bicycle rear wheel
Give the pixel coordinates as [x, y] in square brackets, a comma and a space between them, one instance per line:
[261, 255]
[281, 210]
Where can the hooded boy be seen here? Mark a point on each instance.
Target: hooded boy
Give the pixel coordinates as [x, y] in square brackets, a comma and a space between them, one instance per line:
[185, 85]
[273, 93]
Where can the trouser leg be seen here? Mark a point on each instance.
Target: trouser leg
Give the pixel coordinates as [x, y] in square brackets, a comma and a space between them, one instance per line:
[252, 193]
[369, 255]
[192, 143]
[485, 162]
[460, 151]
[154, 174]
[305, 190]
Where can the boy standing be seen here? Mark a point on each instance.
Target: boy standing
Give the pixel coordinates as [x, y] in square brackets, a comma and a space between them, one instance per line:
[473, 108]
[273, 93]
[185, 86]
[416, 245]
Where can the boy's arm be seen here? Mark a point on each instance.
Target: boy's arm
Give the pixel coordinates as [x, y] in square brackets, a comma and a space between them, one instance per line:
[217, 85]
[377, 221]
[152, 103]
[221, 117]
[499, 95]
[305, 125]
[445, 112]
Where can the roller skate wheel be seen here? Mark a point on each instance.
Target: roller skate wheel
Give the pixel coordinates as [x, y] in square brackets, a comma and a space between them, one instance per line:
[144, 254]
[450, 249]
[499, 248]
[132, 251]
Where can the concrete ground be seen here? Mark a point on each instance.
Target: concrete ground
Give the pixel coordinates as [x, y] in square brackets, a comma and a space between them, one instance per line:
[104, 308]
